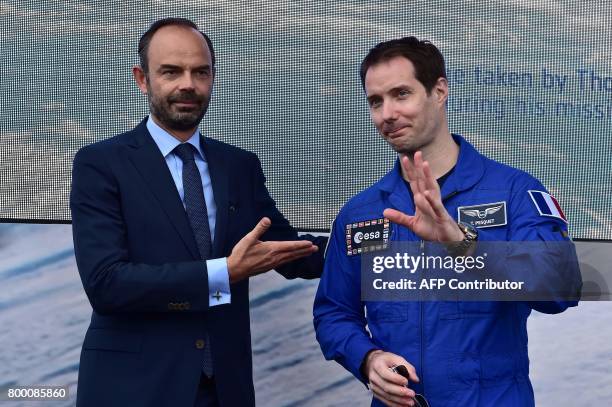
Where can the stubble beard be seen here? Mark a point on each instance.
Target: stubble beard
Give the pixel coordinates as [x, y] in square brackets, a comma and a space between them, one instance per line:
[406, 147]
[163, 110]
[409, 144]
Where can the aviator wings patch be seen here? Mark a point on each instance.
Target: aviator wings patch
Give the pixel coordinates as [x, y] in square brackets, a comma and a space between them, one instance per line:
[484, 215]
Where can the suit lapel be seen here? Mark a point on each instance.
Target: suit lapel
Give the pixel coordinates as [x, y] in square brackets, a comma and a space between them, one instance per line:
[218, 167]
[152, 166]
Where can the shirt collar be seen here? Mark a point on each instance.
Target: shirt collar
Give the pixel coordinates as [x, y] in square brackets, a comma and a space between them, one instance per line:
[166, 142]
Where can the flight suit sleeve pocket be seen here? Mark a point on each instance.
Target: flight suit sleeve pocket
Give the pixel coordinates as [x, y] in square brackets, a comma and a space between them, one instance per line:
[113, 340]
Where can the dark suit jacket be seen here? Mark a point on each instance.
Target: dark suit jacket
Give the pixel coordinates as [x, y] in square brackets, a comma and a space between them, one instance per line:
[139, 265]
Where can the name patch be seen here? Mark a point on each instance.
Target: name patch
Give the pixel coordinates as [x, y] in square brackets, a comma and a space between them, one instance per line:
[483, 216]
[367, 236]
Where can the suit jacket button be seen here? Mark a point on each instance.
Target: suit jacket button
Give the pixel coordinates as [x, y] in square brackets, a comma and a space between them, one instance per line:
[199, 344]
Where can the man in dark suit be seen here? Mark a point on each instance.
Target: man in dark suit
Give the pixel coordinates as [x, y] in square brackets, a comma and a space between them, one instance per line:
[168, 227]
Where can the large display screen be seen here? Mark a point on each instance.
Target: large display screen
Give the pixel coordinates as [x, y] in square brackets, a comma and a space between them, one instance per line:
[530, 85]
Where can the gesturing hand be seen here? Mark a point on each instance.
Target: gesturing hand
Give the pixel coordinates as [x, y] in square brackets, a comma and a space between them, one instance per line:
[251, 256]
[431, 221]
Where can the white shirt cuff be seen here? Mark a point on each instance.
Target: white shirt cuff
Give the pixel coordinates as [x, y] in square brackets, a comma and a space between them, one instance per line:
[218, 282]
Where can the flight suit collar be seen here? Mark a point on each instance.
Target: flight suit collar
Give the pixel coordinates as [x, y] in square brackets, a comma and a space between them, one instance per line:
[468, 171]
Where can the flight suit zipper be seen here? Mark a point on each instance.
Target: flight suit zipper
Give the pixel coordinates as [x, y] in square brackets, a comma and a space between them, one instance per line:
[422, 312]
[422, 325]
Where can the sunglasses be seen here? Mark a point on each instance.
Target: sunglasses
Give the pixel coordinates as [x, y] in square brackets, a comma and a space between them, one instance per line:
[419, 399]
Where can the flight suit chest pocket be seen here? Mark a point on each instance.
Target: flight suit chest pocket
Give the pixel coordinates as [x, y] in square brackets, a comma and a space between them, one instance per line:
[387, 311]
[479, 309]
[467, 309]
[393, 325]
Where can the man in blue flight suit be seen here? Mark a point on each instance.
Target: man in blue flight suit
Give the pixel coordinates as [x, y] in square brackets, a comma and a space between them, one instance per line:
[440, 190]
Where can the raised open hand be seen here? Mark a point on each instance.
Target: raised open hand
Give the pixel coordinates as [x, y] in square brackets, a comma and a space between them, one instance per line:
[431, 221]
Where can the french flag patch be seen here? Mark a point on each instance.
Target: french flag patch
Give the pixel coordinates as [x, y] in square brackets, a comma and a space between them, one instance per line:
[547, 205]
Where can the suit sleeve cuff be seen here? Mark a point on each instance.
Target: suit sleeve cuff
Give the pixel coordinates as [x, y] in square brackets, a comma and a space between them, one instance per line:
[218, 282]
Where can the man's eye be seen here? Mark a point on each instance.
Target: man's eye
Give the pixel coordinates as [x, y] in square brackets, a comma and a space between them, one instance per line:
[203, 73]
[168, 73]
[375, 103]
[403, 93]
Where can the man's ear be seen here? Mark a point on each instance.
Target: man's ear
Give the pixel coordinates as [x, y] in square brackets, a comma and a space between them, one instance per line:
[440, 90]
[140, 77]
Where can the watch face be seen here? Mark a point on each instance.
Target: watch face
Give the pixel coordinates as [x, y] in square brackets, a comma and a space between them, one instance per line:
[469, 231]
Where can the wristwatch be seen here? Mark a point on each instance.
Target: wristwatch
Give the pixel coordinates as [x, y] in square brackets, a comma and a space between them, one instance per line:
[465, 246]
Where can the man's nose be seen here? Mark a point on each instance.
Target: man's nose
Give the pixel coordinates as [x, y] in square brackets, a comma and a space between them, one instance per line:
[186, 82]
[389, 112]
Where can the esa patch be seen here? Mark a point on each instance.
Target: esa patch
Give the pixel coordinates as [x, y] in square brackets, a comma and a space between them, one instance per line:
[547, 205]
[367, 236]
[483, 216]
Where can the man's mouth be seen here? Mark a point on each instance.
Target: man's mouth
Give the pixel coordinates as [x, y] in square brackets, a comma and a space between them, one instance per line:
[188, 100]
[185, 103]
[395, 132]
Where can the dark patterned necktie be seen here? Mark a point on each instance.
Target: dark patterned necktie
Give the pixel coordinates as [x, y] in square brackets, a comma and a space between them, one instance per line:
[195, 206]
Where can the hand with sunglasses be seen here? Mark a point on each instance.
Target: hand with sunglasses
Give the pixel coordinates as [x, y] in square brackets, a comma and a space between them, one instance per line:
[419, 399]
[387, 385]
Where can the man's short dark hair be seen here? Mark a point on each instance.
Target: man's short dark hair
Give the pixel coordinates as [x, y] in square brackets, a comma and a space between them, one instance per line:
[427, 59]
[145, 40]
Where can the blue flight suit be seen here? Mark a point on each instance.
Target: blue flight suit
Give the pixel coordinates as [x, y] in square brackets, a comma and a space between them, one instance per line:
[465, 353]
